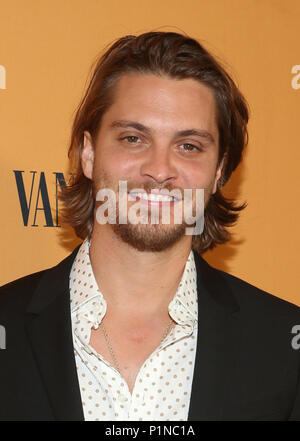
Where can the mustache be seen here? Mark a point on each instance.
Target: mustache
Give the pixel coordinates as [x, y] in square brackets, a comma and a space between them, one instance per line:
[106, 181]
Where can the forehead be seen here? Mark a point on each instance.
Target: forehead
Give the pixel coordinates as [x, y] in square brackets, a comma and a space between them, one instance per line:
[163, 102]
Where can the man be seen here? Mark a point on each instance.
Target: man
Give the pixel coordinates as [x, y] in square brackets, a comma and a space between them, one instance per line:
[134, 324]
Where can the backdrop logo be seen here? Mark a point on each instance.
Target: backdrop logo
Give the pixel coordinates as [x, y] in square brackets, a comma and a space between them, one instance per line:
[2, 77]
[296, 78]
[34, 197]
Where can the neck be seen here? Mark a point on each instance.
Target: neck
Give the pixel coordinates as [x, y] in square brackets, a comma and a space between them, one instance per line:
[136, 281]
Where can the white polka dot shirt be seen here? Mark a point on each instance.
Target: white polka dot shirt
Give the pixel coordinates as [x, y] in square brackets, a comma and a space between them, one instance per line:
[162, 388]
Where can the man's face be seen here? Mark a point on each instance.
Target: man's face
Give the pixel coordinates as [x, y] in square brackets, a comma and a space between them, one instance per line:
[158, 133]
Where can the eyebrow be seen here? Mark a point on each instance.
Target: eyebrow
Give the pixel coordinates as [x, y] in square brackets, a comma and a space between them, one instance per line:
[138, 126]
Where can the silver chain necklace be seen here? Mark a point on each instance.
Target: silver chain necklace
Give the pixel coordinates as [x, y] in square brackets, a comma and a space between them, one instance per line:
[111, 351]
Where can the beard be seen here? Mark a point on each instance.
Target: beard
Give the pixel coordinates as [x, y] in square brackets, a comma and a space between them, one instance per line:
[151, 237]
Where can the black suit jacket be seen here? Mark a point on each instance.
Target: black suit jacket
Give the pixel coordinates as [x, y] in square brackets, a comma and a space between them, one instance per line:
[245, 368]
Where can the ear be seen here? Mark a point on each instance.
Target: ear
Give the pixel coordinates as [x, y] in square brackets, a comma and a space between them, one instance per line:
[87, 156]
[218, 174]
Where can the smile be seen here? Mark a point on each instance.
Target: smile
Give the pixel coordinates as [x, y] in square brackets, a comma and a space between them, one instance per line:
[153, 198]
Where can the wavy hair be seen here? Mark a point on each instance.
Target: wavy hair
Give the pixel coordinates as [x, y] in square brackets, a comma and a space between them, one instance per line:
[176, 56]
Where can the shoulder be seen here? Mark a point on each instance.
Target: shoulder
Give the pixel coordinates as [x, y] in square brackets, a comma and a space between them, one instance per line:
[22, 282]
[249, 298]
[251, 295]
[19, 291]
[264, 319]
[17, 294]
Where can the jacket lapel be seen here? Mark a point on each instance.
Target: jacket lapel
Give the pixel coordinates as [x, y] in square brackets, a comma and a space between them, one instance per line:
[217, 344]
[48, 326]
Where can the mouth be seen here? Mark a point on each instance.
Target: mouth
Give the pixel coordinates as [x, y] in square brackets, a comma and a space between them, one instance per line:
[154, 197]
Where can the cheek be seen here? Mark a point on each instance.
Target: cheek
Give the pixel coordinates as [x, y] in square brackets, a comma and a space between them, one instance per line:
[115, 165]
[200, 176]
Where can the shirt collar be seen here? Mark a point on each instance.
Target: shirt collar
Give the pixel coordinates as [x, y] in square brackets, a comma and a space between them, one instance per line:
[183, 308]
[83, 285]
[83, 288]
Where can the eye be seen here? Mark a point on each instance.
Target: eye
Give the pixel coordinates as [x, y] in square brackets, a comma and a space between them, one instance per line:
[131, 139]
[189, 147]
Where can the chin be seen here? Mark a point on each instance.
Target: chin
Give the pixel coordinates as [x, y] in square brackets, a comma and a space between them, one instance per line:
[151, 238]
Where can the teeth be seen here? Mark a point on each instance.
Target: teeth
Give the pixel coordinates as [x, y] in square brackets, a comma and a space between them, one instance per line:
[153, 197]
[159, 198]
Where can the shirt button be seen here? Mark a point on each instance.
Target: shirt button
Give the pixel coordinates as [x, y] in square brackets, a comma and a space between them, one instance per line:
[122, 398]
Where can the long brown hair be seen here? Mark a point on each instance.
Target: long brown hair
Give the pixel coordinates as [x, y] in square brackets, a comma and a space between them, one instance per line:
[175, 56]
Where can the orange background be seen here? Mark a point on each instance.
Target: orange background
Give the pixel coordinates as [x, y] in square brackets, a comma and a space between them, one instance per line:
[46, 50]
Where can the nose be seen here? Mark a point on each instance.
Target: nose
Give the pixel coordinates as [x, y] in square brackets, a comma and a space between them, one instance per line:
[159, 166]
